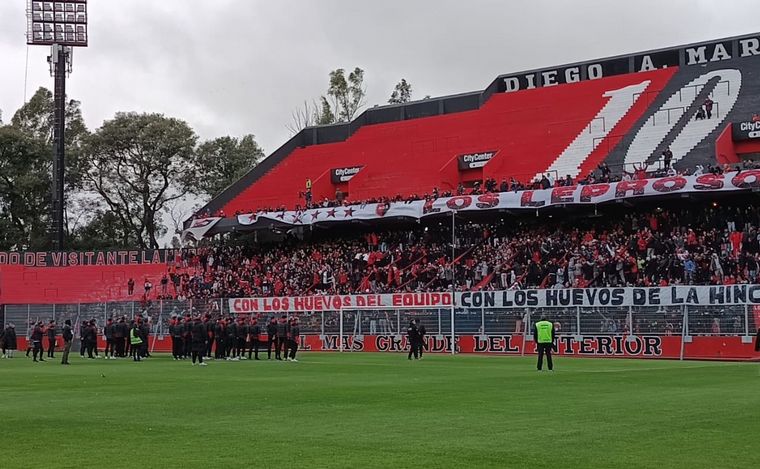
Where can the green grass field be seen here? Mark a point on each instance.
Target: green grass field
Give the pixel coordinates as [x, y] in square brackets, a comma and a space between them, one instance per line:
[379, 410]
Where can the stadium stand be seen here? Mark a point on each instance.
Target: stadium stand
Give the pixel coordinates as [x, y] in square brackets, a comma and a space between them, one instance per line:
[623, 117]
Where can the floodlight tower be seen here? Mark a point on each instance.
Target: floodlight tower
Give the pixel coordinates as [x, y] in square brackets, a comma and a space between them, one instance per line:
[62, 25]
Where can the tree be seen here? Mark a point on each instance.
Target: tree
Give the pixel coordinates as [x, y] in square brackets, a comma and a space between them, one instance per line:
[348, 95]
[324, 115]
[402, 93]
[35, 120]
[25, 180]
[345, 96]
[104, 231]
[137, 164]
[222, 161]
[302, 117]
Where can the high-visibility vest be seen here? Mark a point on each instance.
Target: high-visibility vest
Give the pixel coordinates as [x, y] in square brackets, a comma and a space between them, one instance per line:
[134, 339]
[544, 332]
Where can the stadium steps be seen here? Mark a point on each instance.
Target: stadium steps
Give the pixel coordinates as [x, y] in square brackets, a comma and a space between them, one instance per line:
[529, 129]
[75, 284]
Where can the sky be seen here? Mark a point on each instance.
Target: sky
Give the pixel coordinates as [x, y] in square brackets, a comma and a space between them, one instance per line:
[234, 67]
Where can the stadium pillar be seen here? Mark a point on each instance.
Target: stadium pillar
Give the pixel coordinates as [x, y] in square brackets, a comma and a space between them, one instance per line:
[453, 278]
[684, 330]
[746, 320]
[60, 59]
[340, 331]
[526, 325]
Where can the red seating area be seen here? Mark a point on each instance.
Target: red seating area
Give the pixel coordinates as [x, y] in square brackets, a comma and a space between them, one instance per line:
[530, 129]
[48, 285]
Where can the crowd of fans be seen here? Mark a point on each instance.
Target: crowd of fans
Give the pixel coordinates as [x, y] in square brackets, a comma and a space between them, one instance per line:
[695, 244]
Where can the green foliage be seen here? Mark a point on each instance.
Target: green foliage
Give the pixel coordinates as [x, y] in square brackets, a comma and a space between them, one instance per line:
[104, 231]
[25, 181]
[222, 161]
[402, 93]
[348, 95]
[324, 115]
[138, 163]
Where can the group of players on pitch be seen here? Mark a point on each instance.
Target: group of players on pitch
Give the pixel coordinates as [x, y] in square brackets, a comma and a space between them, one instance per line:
[230, 338]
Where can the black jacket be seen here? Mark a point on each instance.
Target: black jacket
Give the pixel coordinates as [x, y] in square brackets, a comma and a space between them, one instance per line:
[68, 335]
[295, 331]
[37, 334]
[412, 333]
[51, 332]
[199, 333]
[282, 330]
[120, 330]
[9, 337]
[271, 330]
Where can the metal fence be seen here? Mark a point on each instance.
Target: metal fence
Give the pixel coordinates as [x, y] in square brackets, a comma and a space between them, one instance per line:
[668, 320]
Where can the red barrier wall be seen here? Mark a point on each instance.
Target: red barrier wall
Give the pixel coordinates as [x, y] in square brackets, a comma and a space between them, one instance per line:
[600, 346]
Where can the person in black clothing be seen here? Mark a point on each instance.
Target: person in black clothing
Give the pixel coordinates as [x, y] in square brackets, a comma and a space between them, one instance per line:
[144, 334]
[412, 335]
[187, 327]
[757, 341]
[231, 342]
[282, 338]
[294, 336]
[120, 336]
[220, 333]
[421, 343]
[175, 333]
[198, 337]
[37, 341]
[68, 337]
[108, 332]
[90, 338]
[51, 338]
[10, 342]
[271, 337]
[254, 331]
[209, 333]
[667, 157]
[241, 334]
[83, 338]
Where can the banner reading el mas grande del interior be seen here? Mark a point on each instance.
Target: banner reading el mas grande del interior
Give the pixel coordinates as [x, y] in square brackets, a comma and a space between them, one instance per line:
[678, 295]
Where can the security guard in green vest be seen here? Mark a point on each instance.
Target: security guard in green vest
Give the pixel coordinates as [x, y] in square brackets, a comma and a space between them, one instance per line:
[135, 341]
[544, 335]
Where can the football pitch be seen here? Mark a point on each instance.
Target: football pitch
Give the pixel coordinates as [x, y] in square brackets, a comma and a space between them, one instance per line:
[379, 410]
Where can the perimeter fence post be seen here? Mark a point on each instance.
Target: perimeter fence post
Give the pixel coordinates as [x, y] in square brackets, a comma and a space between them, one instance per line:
[340, 329]
[684, 330]
[746, 320]
[453, 336]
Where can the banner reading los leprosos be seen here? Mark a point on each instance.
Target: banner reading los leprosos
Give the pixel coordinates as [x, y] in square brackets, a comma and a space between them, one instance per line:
[527, 199]
[677, 295]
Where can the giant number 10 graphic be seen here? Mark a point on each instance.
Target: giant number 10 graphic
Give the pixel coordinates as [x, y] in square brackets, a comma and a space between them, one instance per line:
[675, 120]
